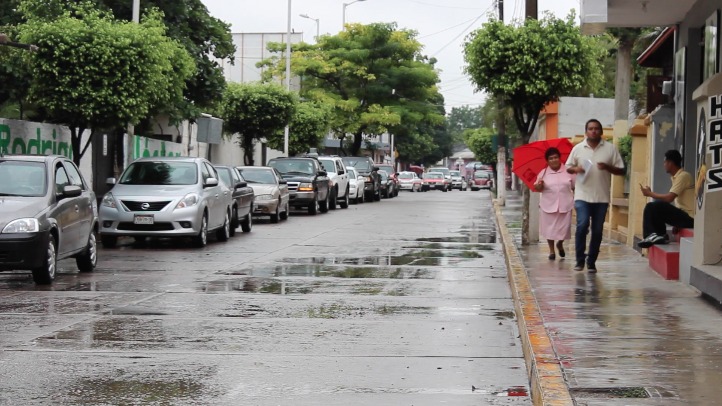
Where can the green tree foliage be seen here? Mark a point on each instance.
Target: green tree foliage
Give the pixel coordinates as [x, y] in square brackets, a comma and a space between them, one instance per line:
[531, 64]
[308, 128]
[480, 143]
[374, 76]
[254, 111]
[464, 118]
[92, 71]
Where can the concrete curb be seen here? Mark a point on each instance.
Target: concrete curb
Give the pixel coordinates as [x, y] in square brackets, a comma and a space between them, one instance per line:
[546, 379]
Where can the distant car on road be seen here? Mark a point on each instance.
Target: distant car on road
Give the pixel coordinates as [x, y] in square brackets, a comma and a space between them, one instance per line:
[47, 213]
[365, 167]
[336, 170]
[409, 181]
[243, 197]
[166, 197]
[437, 180]
[271, 191]
[457, 181]
[482, 180]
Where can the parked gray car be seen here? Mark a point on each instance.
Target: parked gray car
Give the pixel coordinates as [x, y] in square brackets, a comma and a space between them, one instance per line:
[47, 213]
[271, 191]
[243, 196]
[166, 197]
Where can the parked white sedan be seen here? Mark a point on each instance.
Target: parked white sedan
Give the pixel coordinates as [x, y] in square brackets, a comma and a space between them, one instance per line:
[410, 181]
[357, 184]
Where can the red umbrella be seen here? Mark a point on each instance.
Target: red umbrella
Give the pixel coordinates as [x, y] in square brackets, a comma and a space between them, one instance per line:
[529, 159]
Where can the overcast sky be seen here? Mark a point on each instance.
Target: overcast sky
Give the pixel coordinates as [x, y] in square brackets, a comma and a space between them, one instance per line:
[442, 26]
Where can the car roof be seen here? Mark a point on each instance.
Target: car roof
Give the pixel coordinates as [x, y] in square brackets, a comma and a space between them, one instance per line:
[32, 158]
[169, 158]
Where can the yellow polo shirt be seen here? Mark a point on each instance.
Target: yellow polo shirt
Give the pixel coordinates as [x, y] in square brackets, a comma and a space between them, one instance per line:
[683, 187]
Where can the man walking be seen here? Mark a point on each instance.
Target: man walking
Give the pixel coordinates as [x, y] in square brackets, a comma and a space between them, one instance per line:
[594, 161]
[660, 212]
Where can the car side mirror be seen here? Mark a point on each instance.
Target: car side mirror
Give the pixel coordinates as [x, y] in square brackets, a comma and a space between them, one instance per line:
[241, 184]
[283, 182]
[71, 191]
[110, 181]
[210, 182]
[375, 168]
[322, 173]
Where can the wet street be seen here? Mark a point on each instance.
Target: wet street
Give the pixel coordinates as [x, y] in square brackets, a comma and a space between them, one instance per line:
[402, 302]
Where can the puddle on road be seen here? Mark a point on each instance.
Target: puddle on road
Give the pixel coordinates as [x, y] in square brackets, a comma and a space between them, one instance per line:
[423, 258]
[338, 311]
[451, 246]
[133, 391]
[347, 272]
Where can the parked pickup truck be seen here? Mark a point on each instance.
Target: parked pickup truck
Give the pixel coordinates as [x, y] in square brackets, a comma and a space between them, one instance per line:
[308, 183]
[338, 174]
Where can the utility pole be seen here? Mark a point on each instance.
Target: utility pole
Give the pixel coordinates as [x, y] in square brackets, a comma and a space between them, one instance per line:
[501, 137]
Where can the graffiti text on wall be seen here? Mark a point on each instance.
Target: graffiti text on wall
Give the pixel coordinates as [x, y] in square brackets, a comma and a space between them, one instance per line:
[40, 144]
[147, 147]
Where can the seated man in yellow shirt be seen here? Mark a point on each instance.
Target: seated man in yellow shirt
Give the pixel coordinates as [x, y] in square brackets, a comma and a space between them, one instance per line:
[660, 212]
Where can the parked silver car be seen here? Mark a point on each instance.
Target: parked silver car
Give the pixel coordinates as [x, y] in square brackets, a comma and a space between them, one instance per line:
[271, 191]
[166, 197]
[47, 213]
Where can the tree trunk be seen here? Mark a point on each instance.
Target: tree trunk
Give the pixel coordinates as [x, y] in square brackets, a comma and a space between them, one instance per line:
[357, 138]
[75, 144]
[248, 150]
[623, 81]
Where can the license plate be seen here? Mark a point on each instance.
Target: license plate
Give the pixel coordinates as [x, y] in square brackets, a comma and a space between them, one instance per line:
[143, 220]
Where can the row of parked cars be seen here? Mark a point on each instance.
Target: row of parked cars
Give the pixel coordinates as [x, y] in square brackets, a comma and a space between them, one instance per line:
[444, 179]
[48, 212]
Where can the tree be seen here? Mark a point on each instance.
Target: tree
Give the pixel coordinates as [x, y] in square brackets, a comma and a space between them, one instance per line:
[92, 71]
[464, 118]
[374, 76]
[254, 111]
[308, 128]
[481, 144]
[528, 66]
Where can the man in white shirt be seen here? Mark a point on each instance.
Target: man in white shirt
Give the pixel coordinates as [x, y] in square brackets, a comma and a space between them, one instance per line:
[594, 161]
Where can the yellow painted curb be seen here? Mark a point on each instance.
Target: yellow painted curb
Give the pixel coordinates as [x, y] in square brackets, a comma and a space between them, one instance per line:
[546, 379]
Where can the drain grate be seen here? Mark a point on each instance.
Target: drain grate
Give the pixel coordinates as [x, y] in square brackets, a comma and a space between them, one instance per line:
[610, 393]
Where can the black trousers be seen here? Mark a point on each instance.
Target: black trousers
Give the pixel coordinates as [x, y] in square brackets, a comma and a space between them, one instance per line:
[658, 214]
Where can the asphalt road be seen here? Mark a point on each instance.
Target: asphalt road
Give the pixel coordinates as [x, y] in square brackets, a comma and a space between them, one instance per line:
[399, 302]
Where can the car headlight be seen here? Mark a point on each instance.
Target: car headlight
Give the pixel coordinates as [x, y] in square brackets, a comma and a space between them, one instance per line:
[189, 200]
[305, 187]
[264, 197]
[26, 225]
[368, 179]
[108, 200]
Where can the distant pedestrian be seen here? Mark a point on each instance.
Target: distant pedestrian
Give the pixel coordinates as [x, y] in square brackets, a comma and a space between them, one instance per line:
[557, 200]
[594, 161]
[660, 212]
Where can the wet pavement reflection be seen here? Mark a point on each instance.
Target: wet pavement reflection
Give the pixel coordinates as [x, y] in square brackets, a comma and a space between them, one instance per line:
[375, 304]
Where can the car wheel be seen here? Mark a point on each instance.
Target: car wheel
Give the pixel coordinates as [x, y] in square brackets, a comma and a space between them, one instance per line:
[45, 273]
[275, 216]
[201, 240]
[224, 233]
[313, 207]
[333, 199]
[88, 259]
[247, 223]
[345, 202]
[324, 205]
[284, 213]
[109, 241]
[234, 221]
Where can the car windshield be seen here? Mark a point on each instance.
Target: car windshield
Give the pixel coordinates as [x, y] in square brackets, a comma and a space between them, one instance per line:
[258, 175]
[361, 164]
[445, 171]
[434, 175]
[328, 165]
[406, 175]
[455, 173]
[384, 175]
[160, 173]
[28, 178]
[481, 174]
[225, 174]
[293, 166]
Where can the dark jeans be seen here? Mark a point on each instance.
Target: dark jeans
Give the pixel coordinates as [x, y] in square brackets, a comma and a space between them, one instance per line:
[586, 212]
[658, 214]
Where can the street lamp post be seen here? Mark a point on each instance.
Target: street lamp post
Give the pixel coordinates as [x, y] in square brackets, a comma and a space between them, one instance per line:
[286, 130]
[343, 18]
[317, 24]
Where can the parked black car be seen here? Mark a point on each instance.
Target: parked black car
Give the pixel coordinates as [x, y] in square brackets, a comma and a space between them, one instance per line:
[243, 196]
[308, 184]
[47, 213]
[388, 187]
[365, 167]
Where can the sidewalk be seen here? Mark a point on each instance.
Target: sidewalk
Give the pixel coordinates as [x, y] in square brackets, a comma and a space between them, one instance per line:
[614, 336]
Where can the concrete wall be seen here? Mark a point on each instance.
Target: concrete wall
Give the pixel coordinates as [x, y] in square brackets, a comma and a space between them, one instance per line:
[575, 111]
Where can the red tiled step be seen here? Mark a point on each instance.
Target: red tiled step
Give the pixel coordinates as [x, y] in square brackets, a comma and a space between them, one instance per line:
[683, 232]
[664, 259]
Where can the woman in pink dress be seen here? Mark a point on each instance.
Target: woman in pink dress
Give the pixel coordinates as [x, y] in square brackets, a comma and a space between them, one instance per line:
[556, 203]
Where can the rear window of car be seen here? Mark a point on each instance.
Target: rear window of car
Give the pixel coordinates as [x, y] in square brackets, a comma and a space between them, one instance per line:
[406, 175]
[362, 164]
[435, 175]
[258, 175]
[160, 173]
[28, 178]
[293, 166]
[482, 174]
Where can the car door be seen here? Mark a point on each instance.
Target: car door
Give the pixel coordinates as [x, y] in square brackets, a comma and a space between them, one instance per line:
[85, 203]
[220, 197]
[66, 212]
[342, 177]
[246, 193]
[282, 187]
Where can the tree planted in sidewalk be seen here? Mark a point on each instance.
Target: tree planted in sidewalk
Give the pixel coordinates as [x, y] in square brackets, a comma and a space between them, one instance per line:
[529, 65]
[480, 142]
[94, 72]
[252, 111]
[374, 76]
